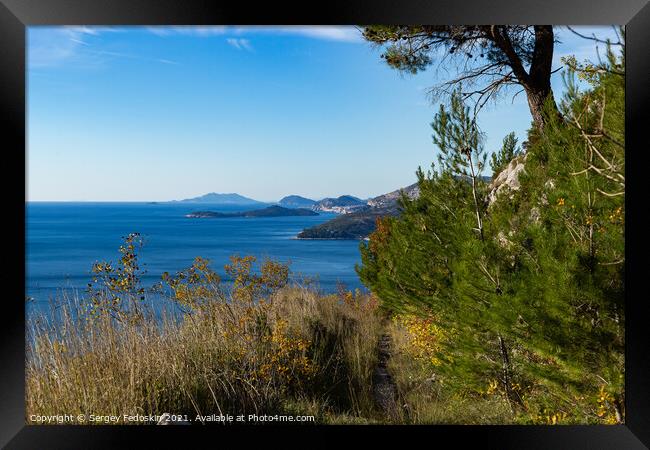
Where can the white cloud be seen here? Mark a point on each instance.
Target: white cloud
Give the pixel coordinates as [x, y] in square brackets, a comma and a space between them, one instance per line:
[52, 46]
[94, 30]
[240, 44]
[188, 30]
[56, 46]
[82, 30]
[330, 33]
[79, 41]
[323, 32]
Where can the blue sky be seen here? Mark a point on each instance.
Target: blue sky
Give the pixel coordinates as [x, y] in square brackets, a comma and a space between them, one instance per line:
[162, 113]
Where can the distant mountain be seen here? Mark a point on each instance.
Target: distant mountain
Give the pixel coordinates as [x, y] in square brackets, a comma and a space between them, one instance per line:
[296, 201]
[344, 204]
[271, 211]
[222, 199]
[360, 223]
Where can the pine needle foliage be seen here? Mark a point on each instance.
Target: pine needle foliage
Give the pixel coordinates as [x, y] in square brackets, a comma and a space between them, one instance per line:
[530, 287]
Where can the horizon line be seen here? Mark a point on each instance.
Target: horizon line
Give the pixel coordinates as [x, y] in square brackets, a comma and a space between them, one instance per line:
[219, 193]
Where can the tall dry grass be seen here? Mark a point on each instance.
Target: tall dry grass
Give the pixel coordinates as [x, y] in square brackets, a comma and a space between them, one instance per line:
[261, 347]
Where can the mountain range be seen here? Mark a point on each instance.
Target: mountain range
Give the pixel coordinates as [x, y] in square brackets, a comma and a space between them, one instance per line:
[341, 205]
[356, 217]
[360, 223]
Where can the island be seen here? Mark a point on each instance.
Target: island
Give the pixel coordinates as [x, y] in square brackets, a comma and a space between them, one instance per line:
[214, 198]
[296, 201]
[271, 211]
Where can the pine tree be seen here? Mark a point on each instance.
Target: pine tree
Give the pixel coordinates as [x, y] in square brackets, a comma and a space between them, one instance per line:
[530, 289]
[432, 256]
[570, 261]
[508, 151]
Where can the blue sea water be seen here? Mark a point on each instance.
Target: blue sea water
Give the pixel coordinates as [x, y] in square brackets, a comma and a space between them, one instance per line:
[63, 240]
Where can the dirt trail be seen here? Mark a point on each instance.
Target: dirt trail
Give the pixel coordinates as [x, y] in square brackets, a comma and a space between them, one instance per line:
[384, 388]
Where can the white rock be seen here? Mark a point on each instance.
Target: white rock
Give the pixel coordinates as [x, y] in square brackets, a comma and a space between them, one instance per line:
[507, 179]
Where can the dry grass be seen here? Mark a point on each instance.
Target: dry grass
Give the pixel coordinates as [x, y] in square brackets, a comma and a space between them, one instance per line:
[294, 351]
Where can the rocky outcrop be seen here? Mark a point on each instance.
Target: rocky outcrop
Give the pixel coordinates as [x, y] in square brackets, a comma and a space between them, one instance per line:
[507, 179]
[390, 199]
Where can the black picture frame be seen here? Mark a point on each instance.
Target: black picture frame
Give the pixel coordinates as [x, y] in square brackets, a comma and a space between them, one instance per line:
[16, 15]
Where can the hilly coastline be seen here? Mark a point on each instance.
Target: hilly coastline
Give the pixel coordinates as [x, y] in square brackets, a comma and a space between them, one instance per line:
[356, 218]
[345, 204]
[360, 223]
[356, 225]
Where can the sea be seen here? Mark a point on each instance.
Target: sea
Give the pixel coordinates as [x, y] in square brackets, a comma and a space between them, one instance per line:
[64, 240]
